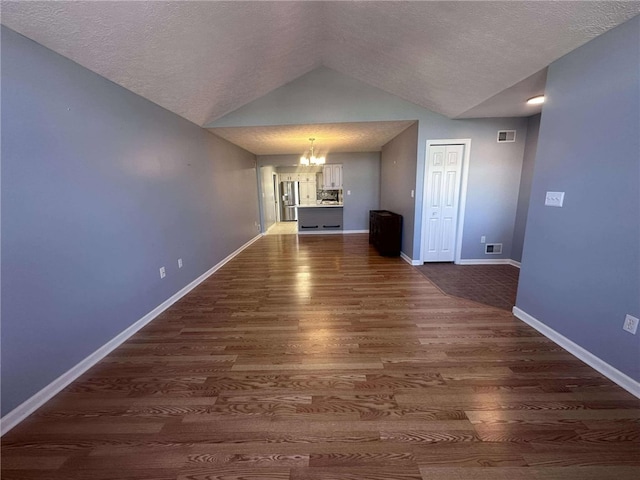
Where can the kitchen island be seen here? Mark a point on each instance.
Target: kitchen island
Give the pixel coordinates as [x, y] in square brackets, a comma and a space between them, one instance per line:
[321, 218]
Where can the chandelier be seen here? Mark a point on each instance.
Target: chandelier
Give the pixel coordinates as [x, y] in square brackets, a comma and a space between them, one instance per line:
[311, 158]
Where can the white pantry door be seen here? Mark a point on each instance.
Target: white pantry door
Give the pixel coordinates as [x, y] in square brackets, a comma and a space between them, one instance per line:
[443, 177]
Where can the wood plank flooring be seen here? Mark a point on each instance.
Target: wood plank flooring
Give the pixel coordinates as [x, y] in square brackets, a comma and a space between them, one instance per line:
[314, 358]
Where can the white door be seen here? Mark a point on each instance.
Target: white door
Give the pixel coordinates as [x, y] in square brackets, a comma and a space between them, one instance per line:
[443, 194]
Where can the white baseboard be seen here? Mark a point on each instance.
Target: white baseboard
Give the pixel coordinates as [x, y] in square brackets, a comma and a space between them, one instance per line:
[408, 259]
[488, 261]
[331, 232]
[26, 408]
[629, 384]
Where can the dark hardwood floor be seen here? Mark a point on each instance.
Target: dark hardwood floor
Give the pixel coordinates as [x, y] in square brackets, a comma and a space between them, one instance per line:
[314, 358]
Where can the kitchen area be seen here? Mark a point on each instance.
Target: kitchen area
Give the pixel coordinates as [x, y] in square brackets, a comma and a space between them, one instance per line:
[309, 199]
[334, 197]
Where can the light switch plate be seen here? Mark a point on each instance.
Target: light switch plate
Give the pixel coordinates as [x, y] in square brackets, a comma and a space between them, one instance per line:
[554, 199]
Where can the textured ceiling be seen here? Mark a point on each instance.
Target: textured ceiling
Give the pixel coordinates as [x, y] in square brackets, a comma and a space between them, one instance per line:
[202, 60]
[451, 56]
[197, 59]
[335, 137]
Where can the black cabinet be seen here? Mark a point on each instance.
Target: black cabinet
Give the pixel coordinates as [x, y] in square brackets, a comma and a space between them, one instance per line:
[385, 232]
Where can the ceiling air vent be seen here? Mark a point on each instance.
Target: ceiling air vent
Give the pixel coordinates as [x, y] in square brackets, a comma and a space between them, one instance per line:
[506, 136]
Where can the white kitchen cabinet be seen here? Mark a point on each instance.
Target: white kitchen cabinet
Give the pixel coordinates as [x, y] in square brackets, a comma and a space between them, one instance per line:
[307, 177]
[288, 177]
[332, 177]
[308, 193]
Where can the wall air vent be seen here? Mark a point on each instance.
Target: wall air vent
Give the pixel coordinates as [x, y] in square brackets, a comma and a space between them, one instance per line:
[506, 136]
[493, 248]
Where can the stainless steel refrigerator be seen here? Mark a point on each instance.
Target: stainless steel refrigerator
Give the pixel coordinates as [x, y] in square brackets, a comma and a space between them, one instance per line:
[289, 199]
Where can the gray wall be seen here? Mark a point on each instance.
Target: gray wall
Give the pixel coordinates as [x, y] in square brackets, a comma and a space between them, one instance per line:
[361, 175]
[99, 189]
[326, 96]
[581, 263]
[398, 179]
[526, 177]
[494, 180]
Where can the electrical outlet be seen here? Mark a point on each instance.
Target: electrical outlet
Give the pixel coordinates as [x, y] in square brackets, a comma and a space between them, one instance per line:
[179, 263]
[163, 272]
[630, 324]
[483, 239]
[413, 193]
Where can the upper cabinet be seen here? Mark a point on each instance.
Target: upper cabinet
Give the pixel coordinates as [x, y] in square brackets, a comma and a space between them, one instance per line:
[307, 177]
[298, 177]
[332, 176]
[288, 177]
[306, 183]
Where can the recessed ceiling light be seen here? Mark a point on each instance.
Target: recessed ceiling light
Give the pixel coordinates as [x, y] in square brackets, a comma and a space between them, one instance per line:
[537, 100]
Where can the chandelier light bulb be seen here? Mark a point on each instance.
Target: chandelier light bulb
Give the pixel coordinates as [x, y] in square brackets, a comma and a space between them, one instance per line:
[311, 158]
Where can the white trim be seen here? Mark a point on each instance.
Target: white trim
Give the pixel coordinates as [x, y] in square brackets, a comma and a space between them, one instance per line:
[463, 192]
[407, 259]
[629, 384]
[276, 195]
[488, 261]
[26, 408]
[331, 232]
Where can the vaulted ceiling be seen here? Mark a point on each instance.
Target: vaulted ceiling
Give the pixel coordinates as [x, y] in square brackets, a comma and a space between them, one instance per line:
[202, 60]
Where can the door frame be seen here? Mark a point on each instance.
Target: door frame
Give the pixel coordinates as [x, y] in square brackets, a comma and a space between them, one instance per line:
[276, 196]
[462, 202]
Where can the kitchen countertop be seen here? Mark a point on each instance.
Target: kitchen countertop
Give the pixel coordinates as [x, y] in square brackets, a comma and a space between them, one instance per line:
[322, 205]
